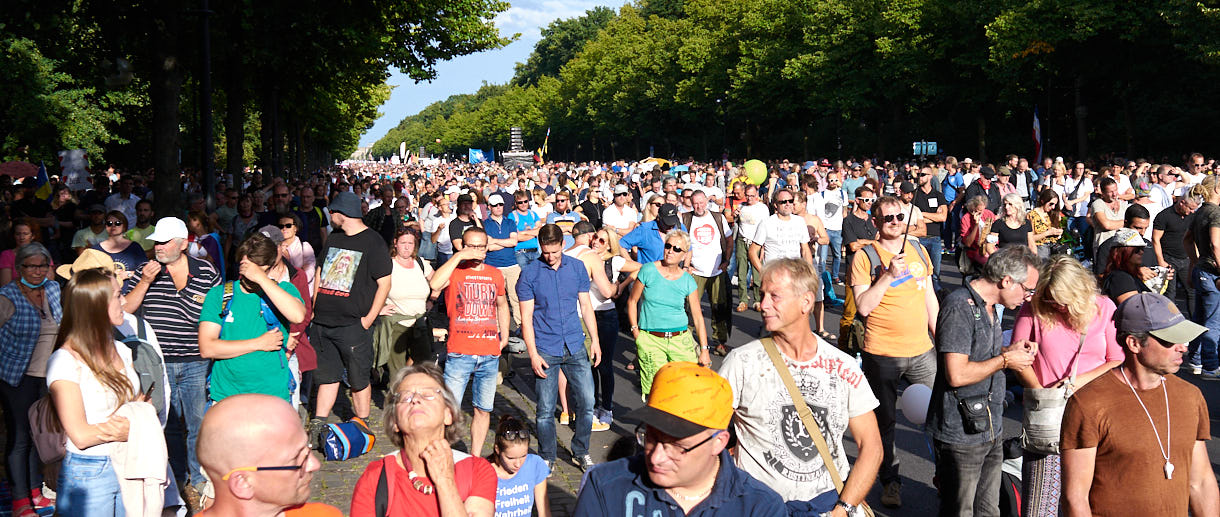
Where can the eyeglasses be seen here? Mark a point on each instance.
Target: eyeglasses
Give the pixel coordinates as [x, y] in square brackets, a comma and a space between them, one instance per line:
[894, 217]
[1029, 291]
[406, 397]
[673, 248]
[35, 266]
[285, 225]
[113, 223]
[520, 434]
[672, 449]
[299, 468]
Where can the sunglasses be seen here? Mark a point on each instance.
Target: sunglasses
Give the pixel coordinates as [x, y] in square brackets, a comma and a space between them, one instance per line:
[894, 217]
[521, 434]
[866, 199]
[784, 202]
[655, 204]
[675, 249]
[524, 202]
[113, 223]
[622, 194]
[493, 205]
[285, 225]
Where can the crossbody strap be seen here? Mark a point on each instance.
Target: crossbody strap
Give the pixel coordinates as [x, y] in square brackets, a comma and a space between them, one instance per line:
[802, 409]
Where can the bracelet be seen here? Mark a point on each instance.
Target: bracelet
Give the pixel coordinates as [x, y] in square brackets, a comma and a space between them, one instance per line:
[1005, 359]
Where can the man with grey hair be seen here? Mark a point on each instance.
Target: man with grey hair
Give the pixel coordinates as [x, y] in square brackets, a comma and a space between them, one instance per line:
[967, 405]
[169, 293]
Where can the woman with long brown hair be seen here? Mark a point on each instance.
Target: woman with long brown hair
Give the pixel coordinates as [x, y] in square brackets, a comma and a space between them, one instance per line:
[90, 376]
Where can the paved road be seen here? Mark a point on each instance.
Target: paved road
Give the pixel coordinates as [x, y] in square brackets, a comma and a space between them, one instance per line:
[334, 483]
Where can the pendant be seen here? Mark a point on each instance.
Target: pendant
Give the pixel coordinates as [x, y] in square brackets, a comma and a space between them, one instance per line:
[1168, 470]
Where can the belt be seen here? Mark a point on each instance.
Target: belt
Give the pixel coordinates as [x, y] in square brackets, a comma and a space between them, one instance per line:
[519, 250]
[665, 335]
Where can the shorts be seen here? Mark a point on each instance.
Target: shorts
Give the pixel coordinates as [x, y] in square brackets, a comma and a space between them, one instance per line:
[458, 369]
[349, 347]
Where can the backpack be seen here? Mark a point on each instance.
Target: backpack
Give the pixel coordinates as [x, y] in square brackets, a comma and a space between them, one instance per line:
[346, 440]
[148, 364]
[853, 338]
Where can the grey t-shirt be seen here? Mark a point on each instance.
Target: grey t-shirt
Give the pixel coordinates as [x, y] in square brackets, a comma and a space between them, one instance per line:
[965, 327]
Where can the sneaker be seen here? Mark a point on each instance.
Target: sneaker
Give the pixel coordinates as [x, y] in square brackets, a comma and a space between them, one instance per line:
[1211, 374]
[565, 418]
[313, 432]
[585, 463]
[1196, 368]
[603, 415]
[598, 425]
[891, 495]
[550, 467]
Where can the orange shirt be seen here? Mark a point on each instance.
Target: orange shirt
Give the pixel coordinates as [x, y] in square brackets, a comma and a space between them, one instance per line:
[305, 510]
[898, 327]
[471, 302]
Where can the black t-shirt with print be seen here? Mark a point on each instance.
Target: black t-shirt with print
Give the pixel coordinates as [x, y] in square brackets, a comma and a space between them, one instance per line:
[930, 202]
[351, 265]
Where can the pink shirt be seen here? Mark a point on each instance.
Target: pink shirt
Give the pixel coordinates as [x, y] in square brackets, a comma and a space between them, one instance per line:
[1057, 345]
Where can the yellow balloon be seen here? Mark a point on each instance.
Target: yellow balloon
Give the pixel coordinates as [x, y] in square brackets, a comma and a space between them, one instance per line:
[756, 171]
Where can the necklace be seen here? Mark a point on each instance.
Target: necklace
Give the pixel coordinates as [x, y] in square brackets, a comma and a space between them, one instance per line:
[1168, 428]
[418, 483]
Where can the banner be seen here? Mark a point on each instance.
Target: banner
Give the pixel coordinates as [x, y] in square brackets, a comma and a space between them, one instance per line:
[479, 156]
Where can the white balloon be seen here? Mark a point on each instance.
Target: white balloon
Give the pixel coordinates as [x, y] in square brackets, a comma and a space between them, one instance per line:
[915, 401]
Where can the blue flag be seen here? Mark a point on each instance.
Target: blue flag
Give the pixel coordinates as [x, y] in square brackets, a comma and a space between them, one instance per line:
[476, 156]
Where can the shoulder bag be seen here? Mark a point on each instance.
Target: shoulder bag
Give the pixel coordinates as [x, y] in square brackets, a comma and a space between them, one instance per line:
[1044, 411]
[811, 425]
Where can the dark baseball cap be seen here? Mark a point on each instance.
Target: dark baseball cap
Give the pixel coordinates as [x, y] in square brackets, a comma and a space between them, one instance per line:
[465, 198]
[907, 187]
[1156, 315]
[667, 216]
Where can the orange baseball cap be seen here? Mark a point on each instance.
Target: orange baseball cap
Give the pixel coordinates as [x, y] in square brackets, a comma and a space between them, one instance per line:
[686, 399]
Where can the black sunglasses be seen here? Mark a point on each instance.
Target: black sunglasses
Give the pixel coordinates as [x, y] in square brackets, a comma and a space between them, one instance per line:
[673, 248]
[521, 434]
[285, 225]
[784, 202]
[113, 223]
[493, 205]
[894, 217]
[523, 202]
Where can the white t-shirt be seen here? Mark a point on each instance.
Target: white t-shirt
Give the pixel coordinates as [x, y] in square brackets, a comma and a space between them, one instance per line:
[1069, 185]
[618, 219]
[751, 215]
[601, 303]
[441, 224]
[706, 252]
[830, 205]
[780, 238]
[99, 401]
[773, 444]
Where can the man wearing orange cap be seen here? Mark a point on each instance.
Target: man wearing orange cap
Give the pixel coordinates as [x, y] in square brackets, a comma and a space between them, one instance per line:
[685, 468]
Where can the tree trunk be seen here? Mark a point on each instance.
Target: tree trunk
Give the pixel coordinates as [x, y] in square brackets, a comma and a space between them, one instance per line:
[277, 140]
[981, 124]
[235, 105]
[164, 90]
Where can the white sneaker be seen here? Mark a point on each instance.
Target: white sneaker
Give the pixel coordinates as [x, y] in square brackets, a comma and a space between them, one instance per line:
[1196, 369]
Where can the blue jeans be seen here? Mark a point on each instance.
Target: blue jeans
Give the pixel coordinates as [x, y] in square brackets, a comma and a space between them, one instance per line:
[575, 366]
[969, 478]
[188, 388]
[835, 252]
[88, 486]
[459, 368]
[526, 256]
[933, 245]
[1207, 313]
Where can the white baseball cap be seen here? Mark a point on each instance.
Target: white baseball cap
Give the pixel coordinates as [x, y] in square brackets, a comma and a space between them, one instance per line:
[168, 229]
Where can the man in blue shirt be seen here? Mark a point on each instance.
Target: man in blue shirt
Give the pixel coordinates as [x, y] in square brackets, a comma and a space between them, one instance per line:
[502, 249]
[527, 226]
[685, 468]
[549, 291]
[648, 239]
[564, 216]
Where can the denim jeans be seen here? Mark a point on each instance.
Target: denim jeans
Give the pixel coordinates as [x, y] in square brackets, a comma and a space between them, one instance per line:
[526, 256]
[883, 374]
[1181, 281]
[933, 245]
[969, 478]
[1203, 349]
[603, 373]
[459, 368]
[22, 463]
[831, 255]
[188, 388]
[576, 367]
[88, 486]
[747, 276]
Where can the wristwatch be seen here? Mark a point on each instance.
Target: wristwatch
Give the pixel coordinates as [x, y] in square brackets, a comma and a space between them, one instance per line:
[850, 508]
[634, 328]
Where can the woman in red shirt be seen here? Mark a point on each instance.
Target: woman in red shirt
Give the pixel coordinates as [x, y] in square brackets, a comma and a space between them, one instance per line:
[425, 477]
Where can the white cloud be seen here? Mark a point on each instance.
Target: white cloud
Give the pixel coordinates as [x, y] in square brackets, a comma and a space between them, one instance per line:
[528, 17]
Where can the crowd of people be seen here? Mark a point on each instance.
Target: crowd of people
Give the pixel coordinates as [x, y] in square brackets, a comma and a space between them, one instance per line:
[217, 341]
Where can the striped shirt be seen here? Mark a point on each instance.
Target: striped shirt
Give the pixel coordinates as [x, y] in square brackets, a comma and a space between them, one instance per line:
[174, 314]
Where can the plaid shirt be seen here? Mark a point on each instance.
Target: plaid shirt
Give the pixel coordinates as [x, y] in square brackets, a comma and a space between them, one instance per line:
[20, 333]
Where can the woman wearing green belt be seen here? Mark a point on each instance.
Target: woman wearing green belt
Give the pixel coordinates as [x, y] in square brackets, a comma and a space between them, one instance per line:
[659, 324]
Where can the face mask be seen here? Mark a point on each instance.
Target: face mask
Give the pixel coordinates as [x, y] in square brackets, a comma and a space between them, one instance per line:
[33, 286]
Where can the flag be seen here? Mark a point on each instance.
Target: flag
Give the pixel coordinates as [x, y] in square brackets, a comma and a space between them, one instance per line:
[1037, 138]
[476, 156]
[546, 140]
[42, 182]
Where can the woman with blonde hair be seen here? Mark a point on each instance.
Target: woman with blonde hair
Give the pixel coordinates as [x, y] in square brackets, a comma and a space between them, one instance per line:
[1201, 241]
[605, 245]
[660, 323]
[1071, 322]
[90, 375]
[425, 476]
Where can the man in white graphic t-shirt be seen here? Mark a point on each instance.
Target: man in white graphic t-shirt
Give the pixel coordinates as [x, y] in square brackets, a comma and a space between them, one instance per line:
[709, 246]
[781, 235]
[774, 445]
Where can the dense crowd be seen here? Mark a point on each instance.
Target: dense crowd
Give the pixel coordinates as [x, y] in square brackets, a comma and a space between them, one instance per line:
[158, 363]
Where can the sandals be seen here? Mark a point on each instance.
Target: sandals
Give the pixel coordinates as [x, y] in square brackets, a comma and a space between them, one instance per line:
[721, 350]
[830, 338]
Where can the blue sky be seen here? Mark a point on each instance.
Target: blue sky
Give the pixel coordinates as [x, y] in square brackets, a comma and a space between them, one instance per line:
[467, 73]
